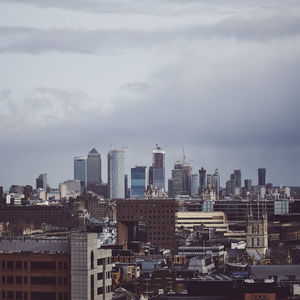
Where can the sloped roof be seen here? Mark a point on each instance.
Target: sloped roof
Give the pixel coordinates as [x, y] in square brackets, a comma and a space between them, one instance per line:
[93, 151]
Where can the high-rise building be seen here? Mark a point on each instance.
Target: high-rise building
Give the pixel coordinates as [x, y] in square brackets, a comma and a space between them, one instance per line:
[261, 176]
[41, 182]
[158, 164]
[216, 183]
[139, 181]
[195, 185]
[176, 181]
[248, 185]
[127, 190]
[202, 180]
[93, 167]
[186, 178]
[80, 171]
[116, 173]
[238, 177]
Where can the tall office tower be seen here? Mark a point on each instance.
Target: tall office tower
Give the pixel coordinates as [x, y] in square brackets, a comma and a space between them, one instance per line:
[261, 176]
[158, 156]
[80, 171]
[186, 178]
[41, 182]
[209, 180]
[139, 181]
[150, 175]
[116, 173]
[93, 167]
[195, 185]
[176, 180]
[202, 180]
[248, 185]
[238, 177]
[216, 182]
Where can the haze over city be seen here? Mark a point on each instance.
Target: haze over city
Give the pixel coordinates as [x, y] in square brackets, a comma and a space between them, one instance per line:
[220, 79]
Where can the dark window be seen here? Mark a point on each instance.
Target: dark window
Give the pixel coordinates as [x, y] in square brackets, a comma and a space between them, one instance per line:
[10, 295]
[3, 279]
[60, 296]
[92, 287]
[100, 291]
[100, 261]
[3, 264]
[60, 281]
[3, 294]
[18, 295]
[18, 265]
[25, 264]
[25, 296]
[10, 265]
[10, 279]
[18, 280]
[25, 279]
[92, 260]
[43, 265]
[42, 295]
[60, 265]
[65, 265]
[65, 296]
[65, 281]
[43, 280]
[99, 276]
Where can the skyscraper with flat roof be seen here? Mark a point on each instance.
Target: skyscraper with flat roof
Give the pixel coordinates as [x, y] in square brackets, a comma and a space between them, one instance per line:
[80, 171]
[261, 176]
[93, 167]
[41, 182]
[139, 181]
[116, 173]
[158, 164]
[202, 180]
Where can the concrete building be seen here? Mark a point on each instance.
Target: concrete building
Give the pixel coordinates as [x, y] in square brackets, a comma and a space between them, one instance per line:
[261, 176]
[80, 171]
[93, 167]
[55, 268]
[151, 220]
[116, 174]
[139, 181]
[191, 219]
[158, 167]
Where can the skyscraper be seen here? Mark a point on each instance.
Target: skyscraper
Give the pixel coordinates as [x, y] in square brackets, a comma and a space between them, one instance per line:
[202, 180]
[195, 185]
[261, 176]
[238, 177]
[93, 167]
[139, 181]
[41, 182]
[158, 164]
[80, 171]
[216, 182]
[116, 173]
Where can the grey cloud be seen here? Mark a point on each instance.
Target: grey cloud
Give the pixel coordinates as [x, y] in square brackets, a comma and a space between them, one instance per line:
[106, 41]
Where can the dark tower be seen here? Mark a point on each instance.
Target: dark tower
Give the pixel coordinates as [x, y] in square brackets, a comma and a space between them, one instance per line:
[261, 176]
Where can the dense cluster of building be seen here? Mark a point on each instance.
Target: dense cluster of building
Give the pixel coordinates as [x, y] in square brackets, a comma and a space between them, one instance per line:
[88, 239]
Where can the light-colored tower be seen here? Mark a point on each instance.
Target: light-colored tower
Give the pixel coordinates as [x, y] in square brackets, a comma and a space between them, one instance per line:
[257, 231]
[93, 167]
[116, 173]
[158, 164]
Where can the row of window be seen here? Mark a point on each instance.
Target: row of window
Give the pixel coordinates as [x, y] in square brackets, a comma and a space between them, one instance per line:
[108, 289]
[34, 280]
[49, 265]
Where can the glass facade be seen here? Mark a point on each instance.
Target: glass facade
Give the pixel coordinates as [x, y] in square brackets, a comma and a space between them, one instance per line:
[139, 179]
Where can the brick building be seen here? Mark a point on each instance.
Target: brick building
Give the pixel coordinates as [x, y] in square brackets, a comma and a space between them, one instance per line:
[151, 220]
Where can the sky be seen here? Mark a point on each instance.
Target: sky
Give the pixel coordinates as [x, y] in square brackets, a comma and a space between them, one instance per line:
[220, 79]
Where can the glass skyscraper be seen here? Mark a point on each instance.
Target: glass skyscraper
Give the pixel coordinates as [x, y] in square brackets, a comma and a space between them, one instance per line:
[80, 171]
[158, 165]
[139, 180]
[93, 167]
[116, 173]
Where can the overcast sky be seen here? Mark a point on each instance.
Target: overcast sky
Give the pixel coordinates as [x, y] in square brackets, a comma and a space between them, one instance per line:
[219, 78]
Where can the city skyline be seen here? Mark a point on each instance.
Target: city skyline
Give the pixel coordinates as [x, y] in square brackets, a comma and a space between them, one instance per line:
[220, 79]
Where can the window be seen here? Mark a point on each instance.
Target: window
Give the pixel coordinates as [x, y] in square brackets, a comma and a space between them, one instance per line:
[43, 280]
[3, 279]
[18, 265]
[18, 280]
[18, 295]
[100, 291]
[99, 276]
[100, 262]
[3, 264]
[25, 279]
[92, 260]
[25, 296]
[43, 265]
[65, 281]
[3, 294]
[25, 264]
[10, 279]
[10, 295]
[60, 265]
[10, 264]
[65, 265]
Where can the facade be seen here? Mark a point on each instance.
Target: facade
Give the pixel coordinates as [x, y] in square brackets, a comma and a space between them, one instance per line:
[216, 182]
[192, 219]
[151, 219]
[60, 268]
[202, 180]
[158, 168]
[195, 185]
[248, 185]
[116, 174]
[238, 178]
[41, 182]
[93, 167]
[80, 171]
[139, 181]
[261, 176]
